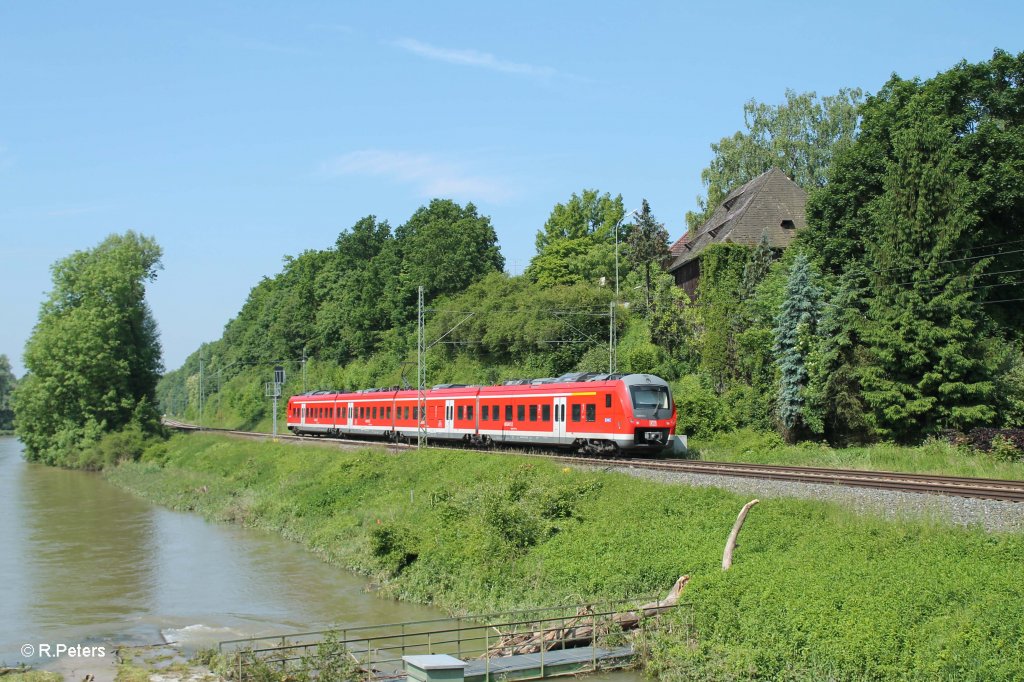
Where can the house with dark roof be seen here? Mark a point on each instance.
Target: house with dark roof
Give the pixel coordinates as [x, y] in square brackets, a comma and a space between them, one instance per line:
[771, 204]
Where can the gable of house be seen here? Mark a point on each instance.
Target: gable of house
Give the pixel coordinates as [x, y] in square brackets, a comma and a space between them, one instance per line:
[771, 204]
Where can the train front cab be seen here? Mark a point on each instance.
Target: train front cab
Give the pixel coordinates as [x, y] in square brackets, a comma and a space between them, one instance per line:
[652, 420]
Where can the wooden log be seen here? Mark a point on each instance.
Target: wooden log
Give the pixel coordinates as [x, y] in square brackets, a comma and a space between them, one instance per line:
[730, 544]
[582, 629]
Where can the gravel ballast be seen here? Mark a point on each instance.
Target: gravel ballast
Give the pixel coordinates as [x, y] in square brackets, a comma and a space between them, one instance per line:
[992, 515]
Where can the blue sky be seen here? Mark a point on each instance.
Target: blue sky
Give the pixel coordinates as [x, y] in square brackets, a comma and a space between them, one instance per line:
[236, 133]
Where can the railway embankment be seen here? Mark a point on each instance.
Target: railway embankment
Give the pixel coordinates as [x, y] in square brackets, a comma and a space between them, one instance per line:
[815, 591]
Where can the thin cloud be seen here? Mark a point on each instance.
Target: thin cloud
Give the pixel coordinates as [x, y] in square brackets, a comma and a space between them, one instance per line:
[429, 176]
[484, 60]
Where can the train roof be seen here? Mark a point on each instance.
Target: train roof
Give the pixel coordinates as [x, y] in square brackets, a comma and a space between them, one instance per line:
[568, 382]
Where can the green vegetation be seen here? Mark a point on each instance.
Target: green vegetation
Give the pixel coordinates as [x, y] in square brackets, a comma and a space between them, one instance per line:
[934, 456]
[34, 676]
[815, 592]
[94, 357]
[893, 317]
[7, 383]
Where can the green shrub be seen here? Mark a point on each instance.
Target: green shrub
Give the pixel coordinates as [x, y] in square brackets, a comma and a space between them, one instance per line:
[1004, 450]
[126, 445]
[393, 546]
[700, 412]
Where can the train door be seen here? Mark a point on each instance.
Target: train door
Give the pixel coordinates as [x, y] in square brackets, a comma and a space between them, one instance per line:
[302, 418]
[351, 412]
[449, 416]
[559, 419]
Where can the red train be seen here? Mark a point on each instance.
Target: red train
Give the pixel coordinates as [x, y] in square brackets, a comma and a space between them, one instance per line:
[586, 412]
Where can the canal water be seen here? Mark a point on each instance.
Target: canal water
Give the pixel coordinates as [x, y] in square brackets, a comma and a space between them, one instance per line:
[83, 562]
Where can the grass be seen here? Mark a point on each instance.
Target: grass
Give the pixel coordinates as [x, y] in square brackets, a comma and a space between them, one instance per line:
[815, 592]
[934, 457]
[34, 676]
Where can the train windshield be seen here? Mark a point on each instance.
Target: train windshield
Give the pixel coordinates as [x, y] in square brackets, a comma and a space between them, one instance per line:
[651, 401]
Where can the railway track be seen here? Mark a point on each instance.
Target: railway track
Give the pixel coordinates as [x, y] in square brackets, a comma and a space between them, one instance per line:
[980, 488]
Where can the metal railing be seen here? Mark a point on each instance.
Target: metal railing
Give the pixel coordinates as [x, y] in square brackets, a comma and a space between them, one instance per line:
[375, 652]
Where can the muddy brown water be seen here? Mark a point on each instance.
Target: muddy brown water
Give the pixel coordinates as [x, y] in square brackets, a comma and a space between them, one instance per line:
[85, 563]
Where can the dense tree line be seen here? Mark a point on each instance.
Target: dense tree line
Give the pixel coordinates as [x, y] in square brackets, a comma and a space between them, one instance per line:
[350, 311]
[893, 316]
[896, 314]
[93, 360]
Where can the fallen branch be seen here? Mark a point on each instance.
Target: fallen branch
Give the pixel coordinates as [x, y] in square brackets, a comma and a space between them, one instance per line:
[582, 628]
[730, 544]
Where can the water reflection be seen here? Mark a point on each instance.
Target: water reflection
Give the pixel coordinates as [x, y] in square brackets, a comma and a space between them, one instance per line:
[81, 560]
[88, 551]
[84, 562]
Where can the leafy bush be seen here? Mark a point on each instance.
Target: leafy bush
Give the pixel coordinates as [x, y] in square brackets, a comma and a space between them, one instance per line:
[700, 412]
[126, 445]
[393, 546]
[1006, 450]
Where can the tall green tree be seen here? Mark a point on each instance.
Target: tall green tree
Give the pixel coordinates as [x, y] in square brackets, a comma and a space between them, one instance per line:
[358, 277]
[647, 245]
[980, 107]
[835, 404]
[93, 358]
[577, 243]
[7, 384]
[793, 336]
[927, 332]
[444, 248]
[801, 136]
[929, 201]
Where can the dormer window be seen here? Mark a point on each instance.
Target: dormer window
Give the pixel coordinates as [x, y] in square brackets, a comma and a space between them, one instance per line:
[729, 203]
[788, 225]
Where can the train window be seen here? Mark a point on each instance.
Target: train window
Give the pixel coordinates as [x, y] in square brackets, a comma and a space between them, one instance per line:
[375, 412]
[545, 413]
[608, 400]
[460, 411]
[362, 412]
[415, 413]
[591, 412]
[521, 413]
[575, 413]
[508, 413]
[469, 412]
[389, 413]
[533, 413]
[406, 412]
[484, 412]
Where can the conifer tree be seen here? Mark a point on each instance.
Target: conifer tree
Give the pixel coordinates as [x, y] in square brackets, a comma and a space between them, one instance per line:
[647, 245]
[926, 328]
[834, 406]
[793, 333]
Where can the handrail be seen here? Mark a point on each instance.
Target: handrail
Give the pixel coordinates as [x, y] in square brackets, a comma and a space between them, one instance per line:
[376, 652]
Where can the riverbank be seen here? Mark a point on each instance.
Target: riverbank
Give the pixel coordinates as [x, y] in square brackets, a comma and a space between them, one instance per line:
[815, 591]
